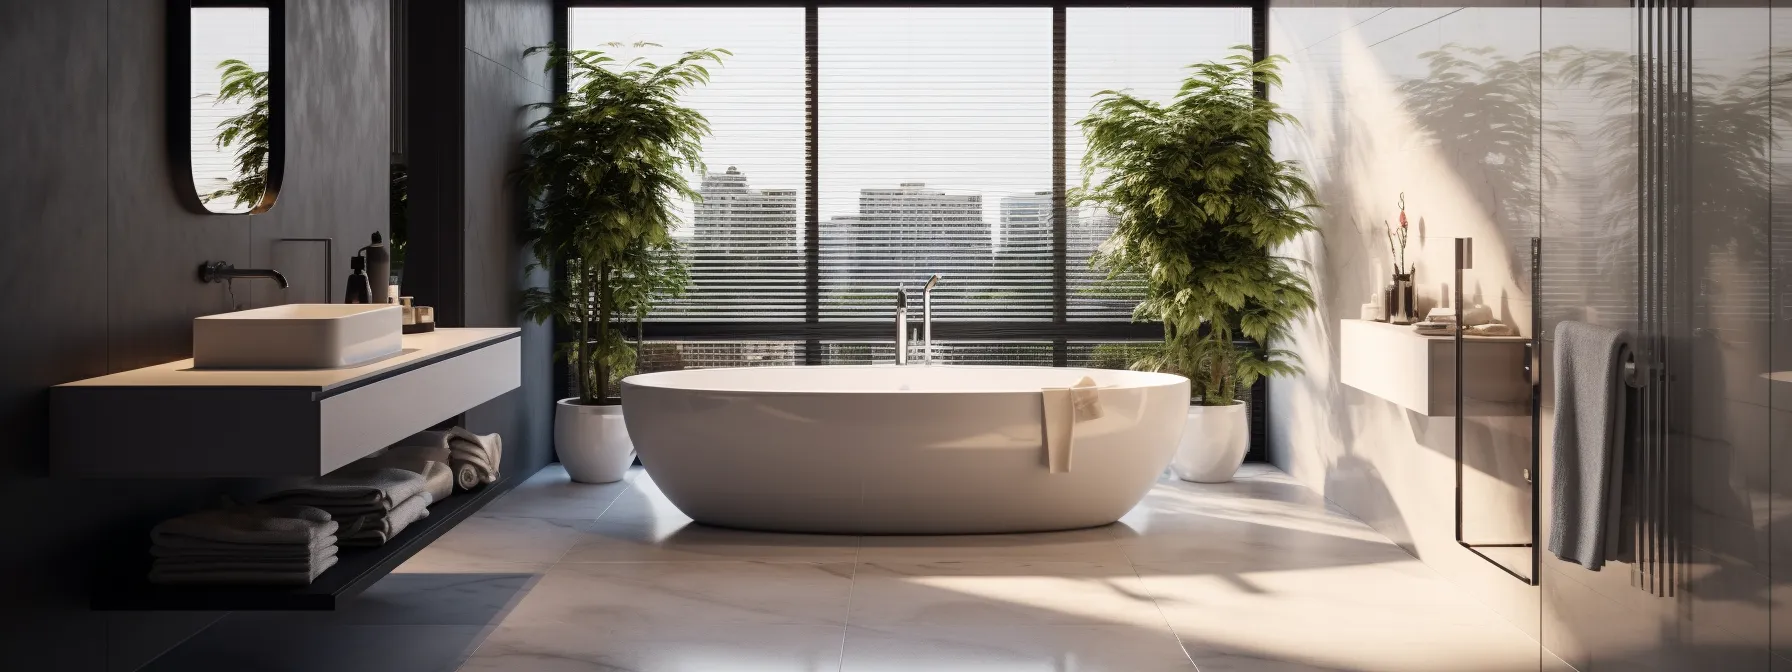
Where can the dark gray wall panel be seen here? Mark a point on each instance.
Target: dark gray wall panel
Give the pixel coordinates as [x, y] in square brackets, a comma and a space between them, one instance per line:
[467, 216]
[495, 264]
[99, 262]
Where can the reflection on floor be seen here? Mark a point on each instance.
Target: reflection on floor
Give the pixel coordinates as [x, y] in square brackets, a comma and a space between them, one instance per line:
[1259, 574]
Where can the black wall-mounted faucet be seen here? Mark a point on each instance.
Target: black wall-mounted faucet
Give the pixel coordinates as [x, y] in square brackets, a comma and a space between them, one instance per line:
[218, 271]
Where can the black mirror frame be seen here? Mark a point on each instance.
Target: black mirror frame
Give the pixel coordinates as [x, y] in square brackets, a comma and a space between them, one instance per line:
[179, 112]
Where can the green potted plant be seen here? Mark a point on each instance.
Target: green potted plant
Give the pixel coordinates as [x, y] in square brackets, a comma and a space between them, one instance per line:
[1201, 205]
[604, 169]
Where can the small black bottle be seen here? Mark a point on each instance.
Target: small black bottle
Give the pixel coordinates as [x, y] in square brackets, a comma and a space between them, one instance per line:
[379, 269]
[359, 291]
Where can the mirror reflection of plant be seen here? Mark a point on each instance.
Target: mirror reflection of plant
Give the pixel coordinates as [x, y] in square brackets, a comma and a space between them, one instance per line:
[605, 169]
[399, 219]
[248, 132]
[1200, 205]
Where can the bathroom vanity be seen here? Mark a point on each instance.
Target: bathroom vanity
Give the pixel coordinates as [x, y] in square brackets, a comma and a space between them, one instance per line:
[176, 421]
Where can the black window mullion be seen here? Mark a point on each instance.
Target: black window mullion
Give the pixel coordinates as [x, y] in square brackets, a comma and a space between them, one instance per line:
[1060, 208]
[812, 180]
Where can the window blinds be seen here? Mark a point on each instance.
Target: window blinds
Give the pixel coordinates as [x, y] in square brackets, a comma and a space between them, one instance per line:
[744, 239]
[935, 157]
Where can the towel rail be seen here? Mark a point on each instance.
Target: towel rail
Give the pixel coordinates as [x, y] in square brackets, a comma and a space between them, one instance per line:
[1636, 373]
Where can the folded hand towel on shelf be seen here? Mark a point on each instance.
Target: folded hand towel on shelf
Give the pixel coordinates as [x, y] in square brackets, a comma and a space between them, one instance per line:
[171, 546]
[438, 479]
[208, 563]
[272, 525]
[304, 577]
[353, 493]
[376, 531]
[1492, 329]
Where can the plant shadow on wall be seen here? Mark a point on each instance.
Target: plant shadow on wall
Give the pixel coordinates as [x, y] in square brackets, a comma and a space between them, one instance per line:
[248, 132]
[1485, 111]
[1200, 205]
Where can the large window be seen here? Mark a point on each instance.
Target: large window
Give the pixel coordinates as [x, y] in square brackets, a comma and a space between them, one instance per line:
[857, 148]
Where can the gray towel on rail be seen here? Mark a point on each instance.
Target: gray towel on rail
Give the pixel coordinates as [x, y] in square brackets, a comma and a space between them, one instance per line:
[1589, 444]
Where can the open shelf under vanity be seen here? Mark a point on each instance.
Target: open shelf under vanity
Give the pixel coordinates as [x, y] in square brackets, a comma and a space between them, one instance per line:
[128, 589]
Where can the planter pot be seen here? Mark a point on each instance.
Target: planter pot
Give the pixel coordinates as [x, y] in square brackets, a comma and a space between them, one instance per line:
[1214, 442]
[592, 442]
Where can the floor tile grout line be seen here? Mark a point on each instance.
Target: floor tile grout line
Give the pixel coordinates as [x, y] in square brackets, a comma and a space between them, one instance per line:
[846, 619]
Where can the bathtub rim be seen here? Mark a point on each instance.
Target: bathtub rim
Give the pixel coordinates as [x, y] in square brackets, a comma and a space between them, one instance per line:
[1158, 380]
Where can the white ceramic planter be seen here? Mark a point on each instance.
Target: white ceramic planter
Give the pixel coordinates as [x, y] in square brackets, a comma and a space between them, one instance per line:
[592, 442]
[1213, 445]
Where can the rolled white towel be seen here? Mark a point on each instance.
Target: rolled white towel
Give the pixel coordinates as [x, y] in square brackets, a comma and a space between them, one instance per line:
[467, 476]
[485, 452]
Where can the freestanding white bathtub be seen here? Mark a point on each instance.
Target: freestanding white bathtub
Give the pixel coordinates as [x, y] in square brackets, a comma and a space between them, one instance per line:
[897, 449]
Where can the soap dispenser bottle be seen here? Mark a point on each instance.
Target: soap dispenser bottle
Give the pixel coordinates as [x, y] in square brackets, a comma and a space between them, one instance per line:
[379, 269]
[359, 290]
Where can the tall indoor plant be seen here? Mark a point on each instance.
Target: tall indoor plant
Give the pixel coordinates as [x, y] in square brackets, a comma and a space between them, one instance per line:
[604, 169]
[1201, 204]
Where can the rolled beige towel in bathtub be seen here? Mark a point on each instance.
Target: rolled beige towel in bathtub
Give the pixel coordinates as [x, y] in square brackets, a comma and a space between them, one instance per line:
[1065, 407]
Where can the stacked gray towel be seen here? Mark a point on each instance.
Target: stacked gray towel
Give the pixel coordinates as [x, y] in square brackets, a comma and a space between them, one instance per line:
[373, 505]
[437, 477]
[262, 545]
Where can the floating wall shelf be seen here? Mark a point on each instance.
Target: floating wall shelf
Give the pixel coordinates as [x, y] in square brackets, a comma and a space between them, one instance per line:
[1419, 372]
[174, 421]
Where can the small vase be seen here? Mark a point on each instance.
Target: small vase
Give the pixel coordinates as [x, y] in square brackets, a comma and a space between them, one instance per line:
[1400, 305]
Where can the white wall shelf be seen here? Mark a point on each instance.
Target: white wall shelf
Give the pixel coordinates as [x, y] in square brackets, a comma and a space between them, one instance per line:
[1418, 372]
[174, 421]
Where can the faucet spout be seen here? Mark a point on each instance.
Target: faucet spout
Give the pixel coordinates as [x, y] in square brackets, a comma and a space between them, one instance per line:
[927, 319]
[901, 325]
[218, 271]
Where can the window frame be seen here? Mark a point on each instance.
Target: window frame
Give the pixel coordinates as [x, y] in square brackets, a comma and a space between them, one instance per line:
[812, 330]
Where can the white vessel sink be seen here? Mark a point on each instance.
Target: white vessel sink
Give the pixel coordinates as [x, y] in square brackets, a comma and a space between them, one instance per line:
[297, 336]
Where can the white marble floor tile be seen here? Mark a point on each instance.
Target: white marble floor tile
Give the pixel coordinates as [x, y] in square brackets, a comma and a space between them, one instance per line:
[662, 540]
[1000, 593]
[550, 493]
[985, 648]
[643, 596]
[488, 539]
[1090, 545]
[1256, 575]
[415, 594]
[1391, 617]
[708, 648]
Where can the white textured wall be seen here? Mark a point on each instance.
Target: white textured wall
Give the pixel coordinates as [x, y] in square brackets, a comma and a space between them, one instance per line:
[1367, 136]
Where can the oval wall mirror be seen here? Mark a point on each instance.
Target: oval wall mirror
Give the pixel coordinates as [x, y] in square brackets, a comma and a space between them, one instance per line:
[226, 103]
